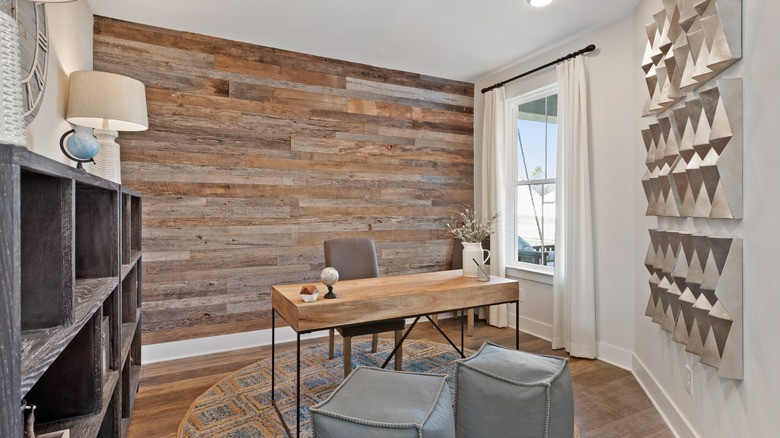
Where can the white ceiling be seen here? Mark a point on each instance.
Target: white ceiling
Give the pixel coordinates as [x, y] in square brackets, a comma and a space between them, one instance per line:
[455, 39]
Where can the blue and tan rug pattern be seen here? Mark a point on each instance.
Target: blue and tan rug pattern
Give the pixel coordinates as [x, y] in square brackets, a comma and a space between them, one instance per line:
[240, 405]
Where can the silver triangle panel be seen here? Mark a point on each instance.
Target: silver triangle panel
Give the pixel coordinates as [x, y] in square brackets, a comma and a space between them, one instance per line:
[688, 44]
[696, 295]
[694, 156]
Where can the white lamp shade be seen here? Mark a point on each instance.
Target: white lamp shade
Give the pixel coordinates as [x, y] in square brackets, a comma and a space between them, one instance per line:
[96, 97]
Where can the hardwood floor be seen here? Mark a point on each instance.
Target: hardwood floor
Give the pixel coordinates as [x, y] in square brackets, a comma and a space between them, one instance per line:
[608, 401]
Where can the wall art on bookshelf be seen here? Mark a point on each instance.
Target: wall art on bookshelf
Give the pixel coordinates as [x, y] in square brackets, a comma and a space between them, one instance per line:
[696, 295]
[689, 42]
[694, 156]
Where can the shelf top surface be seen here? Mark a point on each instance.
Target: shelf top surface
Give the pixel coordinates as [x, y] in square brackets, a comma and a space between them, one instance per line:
[32, 162]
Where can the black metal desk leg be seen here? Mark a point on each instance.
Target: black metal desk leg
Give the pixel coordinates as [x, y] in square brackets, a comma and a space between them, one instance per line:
[298, 388]
[461, 332]
[517, 325]
[401, 342]
[273, 373]
[436, 326]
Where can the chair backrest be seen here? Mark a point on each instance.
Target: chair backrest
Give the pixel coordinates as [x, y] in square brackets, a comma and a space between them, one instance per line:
[353, 258]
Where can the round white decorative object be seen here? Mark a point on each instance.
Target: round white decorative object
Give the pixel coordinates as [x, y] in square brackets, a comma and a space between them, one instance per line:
[329, 276]
[12, 124]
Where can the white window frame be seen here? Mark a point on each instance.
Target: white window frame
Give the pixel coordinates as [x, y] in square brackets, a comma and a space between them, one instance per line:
[538, 273]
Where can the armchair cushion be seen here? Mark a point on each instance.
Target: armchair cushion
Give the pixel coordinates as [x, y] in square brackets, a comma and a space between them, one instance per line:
[378, 403]
[504, 392]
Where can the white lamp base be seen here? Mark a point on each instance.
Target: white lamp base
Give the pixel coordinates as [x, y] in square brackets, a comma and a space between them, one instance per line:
[107, 164]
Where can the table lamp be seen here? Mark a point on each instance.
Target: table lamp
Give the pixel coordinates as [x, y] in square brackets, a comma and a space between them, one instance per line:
[107, 103]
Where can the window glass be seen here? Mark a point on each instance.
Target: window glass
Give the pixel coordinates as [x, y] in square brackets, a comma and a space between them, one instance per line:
[534, 189]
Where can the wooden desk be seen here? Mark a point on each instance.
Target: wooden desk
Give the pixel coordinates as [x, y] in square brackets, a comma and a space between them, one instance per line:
[377, 299]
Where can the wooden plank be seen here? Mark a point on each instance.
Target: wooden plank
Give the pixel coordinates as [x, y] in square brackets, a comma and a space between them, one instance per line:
[277, 72]
[377, 74]
[348, 147]
[408, 92]
[255, 155]
[376, 299]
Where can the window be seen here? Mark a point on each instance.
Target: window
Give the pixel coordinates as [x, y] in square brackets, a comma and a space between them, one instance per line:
[534, 143]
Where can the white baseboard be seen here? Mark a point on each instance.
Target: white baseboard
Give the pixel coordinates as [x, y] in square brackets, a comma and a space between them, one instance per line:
[236, 341]
[679, 425]
[218, 344]
[614, 355]
[532, 327]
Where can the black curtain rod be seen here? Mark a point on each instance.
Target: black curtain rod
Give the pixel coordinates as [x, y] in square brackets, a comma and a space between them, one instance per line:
[587, 49]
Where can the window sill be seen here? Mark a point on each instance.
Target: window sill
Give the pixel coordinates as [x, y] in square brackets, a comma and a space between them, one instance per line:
[539, 274]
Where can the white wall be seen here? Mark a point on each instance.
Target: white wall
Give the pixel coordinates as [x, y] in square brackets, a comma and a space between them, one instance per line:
[70, 49]
[723, 407]
[613, 177]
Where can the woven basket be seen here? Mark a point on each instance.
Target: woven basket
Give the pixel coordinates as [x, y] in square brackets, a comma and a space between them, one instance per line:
[12, 125]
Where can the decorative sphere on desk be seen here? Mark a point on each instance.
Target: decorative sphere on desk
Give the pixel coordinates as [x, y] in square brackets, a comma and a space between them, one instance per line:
[82, 145]
[329, 276]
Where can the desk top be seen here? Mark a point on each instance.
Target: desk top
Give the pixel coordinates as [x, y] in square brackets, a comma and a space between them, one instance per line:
[376, 299]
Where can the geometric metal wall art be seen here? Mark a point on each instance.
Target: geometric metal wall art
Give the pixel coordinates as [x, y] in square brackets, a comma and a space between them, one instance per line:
[694, 156]
[689, 42]
[696, 294]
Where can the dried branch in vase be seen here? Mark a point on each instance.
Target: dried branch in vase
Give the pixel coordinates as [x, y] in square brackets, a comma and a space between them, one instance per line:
[470, 228]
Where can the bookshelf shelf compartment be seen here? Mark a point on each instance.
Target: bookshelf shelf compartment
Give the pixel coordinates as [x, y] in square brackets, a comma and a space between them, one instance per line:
[46, 224]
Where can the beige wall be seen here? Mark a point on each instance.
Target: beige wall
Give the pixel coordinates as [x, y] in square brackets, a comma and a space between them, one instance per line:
[70, 43]
[718, 407]
[612, 179]
[723, 407]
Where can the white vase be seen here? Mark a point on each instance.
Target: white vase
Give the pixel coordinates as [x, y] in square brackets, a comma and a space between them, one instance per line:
[471, 252]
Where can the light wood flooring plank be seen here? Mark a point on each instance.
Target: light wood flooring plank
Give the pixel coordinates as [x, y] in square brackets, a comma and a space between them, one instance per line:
[608, 401]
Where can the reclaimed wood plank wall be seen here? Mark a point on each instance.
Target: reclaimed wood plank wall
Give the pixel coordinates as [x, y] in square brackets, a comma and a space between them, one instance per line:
[254, 156]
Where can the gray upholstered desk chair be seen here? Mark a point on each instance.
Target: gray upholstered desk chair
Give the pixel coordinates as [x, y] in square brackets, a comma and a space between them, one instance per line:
[354, 259]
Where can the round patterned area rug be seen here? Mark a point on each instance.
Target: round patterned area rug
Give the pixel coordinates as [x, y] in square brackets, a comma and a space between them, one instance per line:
[240, 405]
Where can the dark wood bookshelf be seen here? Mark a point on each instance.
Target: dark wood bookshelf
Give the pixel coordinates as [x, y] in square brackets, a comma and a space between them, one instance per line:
[70, 297]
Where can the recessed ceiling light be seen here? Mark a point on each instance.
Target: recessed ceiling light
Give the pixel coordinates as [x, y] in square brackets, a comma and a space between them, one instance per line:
[539, 3]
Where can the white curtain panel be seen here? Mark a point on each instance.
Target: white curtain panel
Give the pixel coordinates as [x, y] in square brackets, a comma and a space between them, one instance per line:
[495, 169]
[574, 303]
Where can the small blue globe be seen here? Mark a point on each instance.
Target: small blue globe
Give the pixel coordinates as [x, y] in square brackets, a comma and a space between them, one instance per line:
[82, 145]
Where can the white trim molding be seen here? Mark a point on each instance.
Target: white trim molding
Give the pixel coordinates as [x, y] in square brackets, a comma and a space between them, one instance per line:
[237, 341]
[678, 424]
[538, 274]
[531, 326]
[218, 344]
[613, 355]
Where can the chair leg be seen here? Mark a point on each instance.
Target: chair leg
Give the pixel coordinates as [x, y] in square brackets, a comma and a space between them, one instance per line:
[347, 355]
[470, 322]
[399, 358]
[330, 343]
[374, 342]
